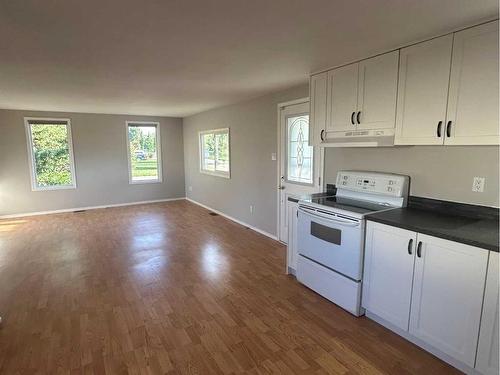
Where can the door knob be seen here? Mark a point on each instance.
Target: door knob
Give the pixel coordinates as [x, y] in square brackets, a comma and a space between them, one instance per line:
[281, 187]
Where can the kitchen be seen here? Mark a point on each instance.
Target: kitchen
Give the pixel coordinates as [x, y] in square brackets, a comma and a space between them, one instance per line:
[249, 187]
[406, 251]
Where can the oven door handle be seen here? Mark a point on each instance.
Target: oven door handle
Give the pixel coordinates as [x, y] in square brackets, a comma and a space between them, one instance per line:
[331, 217]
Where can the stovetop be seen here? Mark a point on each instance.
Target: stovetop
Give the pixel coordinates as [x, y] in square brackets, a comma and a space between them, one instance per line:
[359, 207]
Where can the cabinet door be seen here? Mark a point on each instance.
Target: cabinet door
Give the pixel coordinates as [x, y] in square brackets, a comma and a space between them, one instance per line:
[377, 91]
[473, 98]
[292, 236]
[448, 290]
[487, 351]
[317, 112]
[388, 272]
[423, 92]
[342, 98]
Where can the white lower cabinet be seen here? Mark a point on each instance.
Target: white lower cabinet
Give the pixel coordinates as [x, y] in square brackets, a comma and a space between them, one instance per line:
[487, 351]
[389, 259]
[447, 296]
[431, 291]
[292, 250]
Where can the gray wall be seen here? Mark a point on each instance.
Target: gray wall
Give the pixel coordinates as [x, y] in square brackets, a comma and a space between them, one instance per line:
[99, 143]
[441, 172]
[253, 137]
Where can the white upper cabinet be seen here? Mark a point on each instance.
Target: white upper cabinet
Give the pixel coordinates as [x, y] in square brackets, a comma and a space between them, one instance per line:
[317, 112]
[487, 351]
[342, 98]
[423, 92]
[388, 272]
[377, 91]
[444, 91]
[472, 116]
[363, 95]
[447, 296]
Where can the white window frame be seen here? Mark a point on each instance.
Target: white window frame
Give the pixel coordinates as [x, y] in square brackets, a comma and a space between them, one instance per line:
[200, 150]
[158, 153]
[31, 156]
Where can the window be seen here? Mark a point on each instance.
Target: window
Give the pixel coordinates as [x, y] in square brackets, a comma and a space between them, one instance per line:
[144, 152]
[214, 152]
[299, 153]
[50, 151]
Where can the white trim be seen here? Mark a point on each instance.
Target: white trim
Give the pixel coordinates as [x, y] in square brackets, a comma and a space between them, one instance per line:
[235, 220]
[159, 164]
[321, 157]
[217, 174]
[293, 102]
[200, 152]
[37, 213]
[31, 157]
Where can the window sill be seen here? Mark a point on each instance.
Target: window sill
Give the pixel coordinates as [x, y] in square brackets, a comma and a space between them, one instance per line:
[140, 182]
[49, 188]
[216, 174]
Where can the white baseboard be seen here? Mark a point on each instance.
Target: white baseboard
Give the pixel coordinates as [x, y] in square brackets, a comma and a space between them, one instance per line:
[86, 208]
[235, 220]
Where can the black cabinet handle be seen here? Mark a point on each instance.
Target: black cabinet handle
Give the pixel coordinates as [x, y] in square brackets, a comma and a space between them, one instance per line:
[357, 117]
[419, 249]
[352, 118]
[321, 135]
[448, 129]
[410, 245]
[440, 124]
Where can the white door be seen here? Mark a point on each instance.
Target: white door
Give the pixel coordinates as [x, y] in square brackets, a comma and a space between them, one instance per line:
[423, 92]
[377, 91]
[388, 272]
[342, 98]
[300, 169]
[447, 297]
[488, 348]
[473, 99]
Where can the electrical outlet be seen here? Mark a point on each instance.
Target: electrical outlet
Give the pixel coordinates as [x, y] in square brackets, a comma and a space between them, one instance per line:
[478, 184]
[251, 209]
[190, 188]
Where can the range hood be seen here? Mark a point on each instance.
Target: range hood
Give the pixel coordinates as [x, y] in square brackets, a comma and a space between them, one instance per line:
[360, 138]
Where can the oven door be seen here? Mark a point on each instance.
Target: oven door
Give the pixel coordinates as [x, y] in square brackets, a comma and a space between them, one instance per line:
[331, 240]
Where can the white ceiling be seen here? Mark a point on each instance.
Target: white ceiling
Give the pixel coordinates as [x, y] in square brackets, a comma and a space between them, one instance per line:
[177, 58]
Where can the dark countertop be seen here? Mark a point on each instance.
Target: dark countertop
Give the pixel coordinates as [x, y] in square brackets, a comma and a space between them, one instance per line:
[308, 197]
[480, 230]
[330, 191]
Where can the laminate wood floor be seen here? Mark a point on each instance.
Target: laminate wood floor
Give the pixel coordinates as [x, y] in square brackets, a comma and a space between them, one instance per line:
[167, 288]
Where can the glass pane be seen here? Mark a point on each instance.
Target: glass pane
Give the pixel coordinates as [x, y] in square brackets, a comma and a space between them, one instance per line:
[299, 153]
[51, 153]
[208, 142]
[222, 141]
[295, 147]
[143, 152]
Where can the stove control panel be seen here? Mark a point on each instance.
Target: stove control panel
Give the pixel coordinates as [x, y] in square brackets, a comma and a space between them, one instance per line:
[373, 182]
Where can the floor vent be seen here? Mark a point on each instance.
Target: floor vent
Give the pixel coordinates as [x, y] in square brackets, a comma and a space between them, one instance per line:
[213, 214]
[78, 211]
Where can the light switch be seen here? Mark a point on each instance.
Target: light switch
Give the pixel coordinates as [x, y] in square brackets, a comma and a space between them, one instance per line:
[273, 156]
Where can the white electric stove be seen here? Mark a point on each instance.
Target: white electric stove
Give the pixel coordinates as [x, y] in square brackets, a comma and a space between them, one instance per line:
[331, 233]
